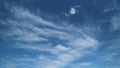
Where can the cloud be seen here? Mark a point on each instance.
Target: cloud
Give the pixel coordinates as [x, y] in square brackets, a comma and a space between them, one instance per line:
[115, 22]
[82, 65]
[64, 44]
[72, 11]
[24, 61]
[61, 48]
[114, 45]
[108, 57]
[86, 64]
[21, 13]
[112, 6]
[84, 42]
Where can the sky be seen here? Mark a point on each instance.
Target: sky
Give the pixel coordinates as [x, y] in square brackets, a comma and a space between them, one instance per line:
[59, 33]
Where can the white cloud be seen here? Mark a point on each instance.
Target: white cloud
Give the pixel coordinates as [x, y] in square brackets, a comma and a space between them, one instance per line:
[28, 36]
[24, 14]
[86, 64]
[73, 43]
[114, 47]
[108, 57]
[113, 6]
[62, 48]
[85, 43]
[82, 65]
[72, 11]
[116, 22]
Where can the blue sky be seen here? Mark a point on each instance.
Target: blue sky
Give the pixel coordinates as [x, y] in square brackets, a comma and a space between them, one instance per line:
[59, 34]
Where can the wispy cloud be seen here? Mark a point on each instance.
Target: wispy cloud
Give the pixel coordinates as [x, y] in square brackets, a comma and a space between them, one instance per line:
[108, 57]
[115, 22]
[113, 6]
[28, 27]
[86, 64]
[82, 65]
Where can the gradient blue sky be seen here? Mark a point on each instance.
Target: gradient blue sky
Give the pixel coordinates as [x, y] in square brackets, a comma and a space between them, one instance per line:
[59, 33]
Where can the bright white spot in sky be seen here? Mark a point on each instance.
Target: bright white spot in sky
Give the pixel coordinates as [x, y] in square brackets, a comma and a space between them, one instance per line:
[73, 10]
